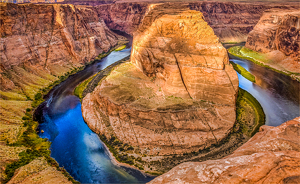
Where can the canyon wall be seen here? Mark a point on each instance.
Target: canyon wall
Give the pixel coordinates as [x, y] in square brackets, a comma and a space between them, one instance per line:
[271, 156]
[277, 35]
[178, 93]
[38, 44]
[47, 41]
[231, 21]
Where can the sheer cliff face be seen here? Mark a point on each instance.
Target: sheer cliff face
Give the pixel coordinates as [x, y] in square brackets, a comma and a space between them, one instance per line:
[231, 21]
[277, 30]
[271, 156]
[123, 16]
[50, 38]
[38, 44]
[178, 93]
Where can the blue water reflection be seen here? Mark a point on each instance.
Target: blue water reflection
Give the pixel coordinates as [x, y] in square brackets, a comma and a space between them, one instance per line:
[74, 146]
[278, 94]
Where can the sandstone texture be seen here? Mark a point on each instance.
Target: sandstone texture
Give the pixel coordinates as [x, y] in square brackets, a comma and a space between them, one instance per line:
[277, 35]
[271, 156]
[123, 16]
[231, 21]
[45, 40]
[178, 93]
[38, 44]
[38, 171]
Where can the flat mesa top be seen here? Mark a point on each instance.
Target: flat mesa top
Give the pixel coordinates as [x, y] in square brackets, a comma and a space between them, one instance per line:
[128, 85]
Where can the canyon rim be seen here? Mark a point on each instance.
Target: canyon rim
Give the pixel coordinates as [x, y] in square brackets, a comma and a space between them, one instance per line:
[177, 95]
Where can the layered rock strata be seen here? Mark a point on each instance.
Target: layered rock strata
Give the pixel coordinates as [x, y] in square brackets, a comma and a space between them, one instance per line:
[271, 156]
[231, 21]
[177, 94]
[277, 35]
[38, 44]
[49, 39]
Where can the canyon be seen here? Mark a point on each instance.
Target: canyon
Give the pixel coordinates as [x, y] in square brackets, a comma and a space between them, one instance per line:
[41, 43]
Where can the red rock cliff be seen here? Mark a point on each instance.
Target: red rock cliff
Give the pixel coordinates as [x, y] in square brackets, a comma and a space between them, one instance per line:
[38, 44]
[231, 21]
[46, 40]
[277, 35]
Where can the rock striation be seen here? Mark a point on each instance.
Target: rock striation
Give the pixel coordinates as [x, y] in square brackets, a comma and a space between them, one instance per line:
[277, 35]
[38, 44]
[178, 93]
[271, 156]
[231, 21]
[123, 16]
[47, 41]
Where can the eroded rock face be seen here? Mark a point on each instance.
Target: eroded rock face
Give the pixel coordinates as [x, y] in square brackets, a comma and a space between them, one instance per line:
[231, 21]
[123, 16]
[178, 93]
[176, 47]
[271, 156]
[278, 34]
[38, 44]
[49, 38]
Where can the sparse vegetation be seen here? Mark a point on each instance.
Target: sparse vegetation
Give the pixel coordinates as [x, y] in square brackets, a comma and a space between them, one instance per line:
[255, 57]
[243, 72]
[80, 88]
[244, 99]
[120, 48]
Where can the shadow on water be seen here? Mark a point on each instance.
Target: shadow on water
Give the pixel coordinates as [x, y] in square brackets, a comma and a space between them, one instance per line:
[278, 94]
[74, 146]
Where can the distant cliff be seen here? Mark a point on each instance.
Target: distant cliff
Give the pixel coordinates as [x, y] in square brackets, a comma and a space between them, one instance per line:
[231, 21]
[277, 37]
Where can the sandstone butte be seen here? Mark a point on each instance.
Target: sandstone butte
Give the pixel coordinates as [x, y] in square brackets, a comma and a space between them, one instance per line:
[271, 156]
[277, 36]
[178, 93]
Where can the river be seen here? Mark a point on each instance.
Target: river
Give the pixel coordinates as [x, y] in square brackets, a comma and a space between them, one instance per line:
[80, 151]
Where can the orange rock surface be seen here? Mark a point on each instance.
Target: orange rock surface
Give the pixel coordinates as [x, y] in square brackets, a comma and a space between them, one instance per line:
[178, 93]
[271, 156]
[277, 35]
[49, 38]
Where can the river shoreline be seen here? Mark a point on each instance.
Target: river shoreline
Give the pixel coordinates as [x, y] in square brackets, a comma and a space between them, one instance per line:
[225, 147]
[31, 116]
[273, 67]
